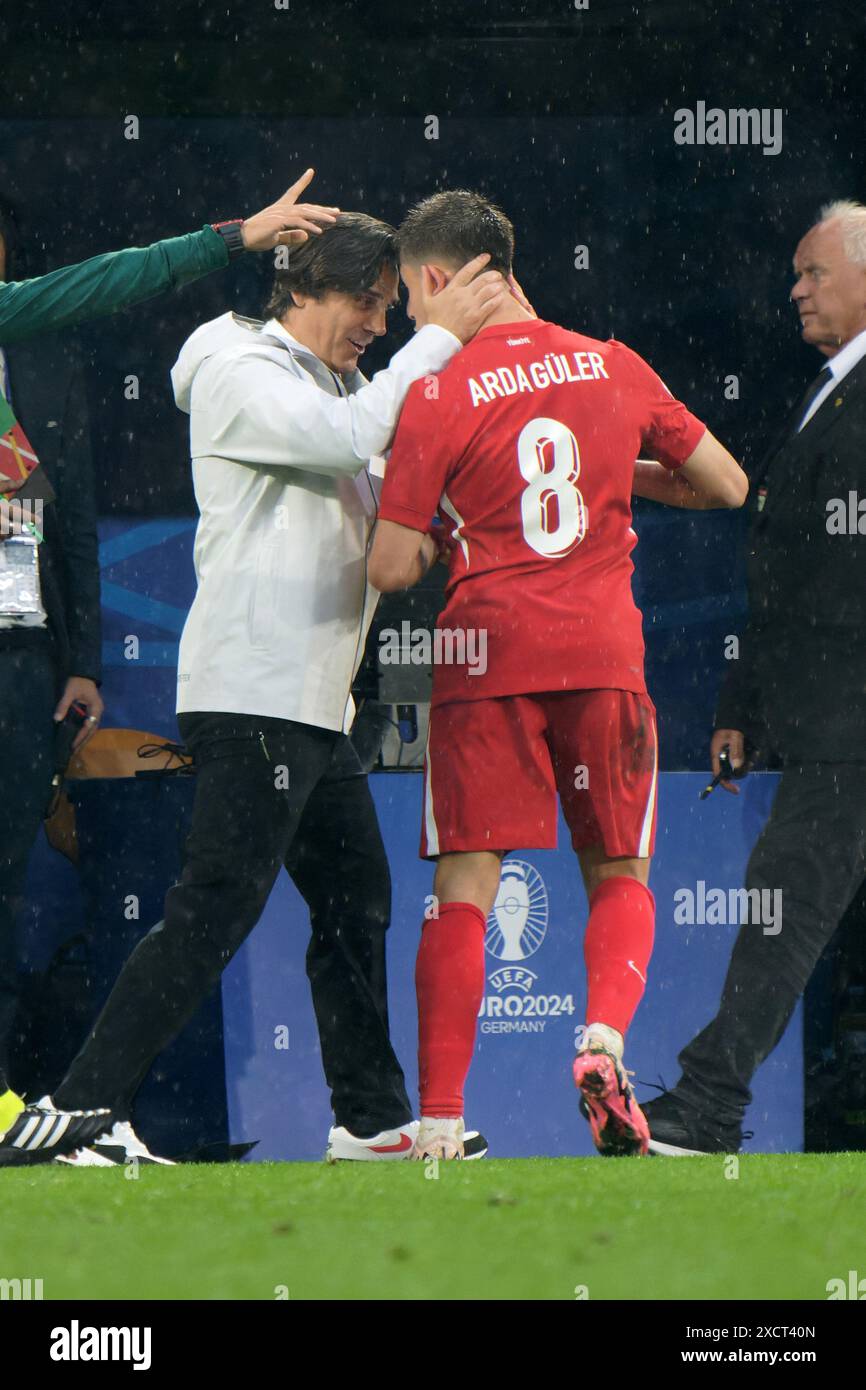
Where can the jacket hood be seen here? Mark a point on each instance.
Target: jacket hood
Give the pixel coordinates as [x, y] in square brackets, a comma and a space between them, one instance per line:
[208, 339]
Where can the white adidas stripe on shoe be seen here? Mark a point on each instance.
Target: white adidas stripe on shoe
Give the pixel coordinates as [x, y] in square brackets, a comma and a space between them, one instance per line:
[40, 1131]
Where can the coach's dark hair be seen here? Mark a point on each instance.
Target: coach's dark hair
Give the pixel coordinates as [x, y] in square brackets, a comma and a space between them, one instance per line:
[456, 225]
[349, 256]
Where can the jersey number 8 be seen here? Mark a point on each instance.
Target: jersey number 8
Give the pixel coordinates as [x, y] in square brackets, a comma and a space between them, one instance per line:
[551, 507]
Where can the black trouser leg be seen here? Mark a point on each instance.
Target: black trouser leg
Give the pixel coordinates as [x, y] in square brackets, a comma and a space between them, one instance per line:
[244, 820]
[28, 696]
[338, 863]
[812, 849]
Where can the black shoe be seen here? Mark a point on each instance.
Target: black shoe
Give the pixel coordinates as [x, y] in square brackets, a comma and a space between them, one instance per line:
[474, 1145]
[40, 1133]
[678, 1130]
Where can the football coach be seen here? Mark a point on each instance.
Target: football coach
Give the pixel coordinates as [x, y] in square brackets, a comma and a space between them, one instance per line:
[797, 693]
[40, 667]
[282, 429]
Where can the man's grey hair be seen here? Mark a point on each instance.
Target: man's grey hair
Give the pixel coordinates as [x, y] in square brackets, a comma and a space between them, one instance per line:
[851, 217]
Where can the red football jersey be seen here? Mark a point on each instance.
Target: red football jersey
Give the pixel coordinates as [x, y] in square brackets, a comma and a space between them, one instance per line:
[525, 445]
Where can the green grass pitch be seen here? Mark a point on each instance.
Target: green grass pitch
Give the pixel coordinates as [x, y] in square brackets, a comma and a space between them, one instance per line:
[496, 1229]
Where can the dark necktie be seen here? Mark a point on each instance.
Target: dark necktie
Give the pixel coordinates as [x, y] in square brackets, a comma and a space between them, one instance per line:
[790, 431]
[817, 386]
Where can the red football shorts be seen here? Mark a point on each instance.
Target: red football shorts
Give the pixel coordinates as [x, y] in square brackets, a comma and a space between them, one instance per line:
[494, 769]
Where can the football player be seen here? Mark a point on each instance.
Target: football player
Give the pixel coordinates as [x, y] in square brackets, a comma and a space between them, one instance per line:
[525, 446]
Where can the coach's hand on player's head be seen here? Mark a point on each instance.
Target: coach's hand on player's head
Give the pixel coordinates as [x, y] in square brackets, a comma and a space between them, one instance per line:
[287, 221]
[736, 752]
[466, 300]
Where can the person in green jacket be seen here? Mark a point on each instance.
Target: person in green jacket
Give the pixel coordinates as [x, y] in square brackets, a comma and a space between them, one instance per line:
[73, 295]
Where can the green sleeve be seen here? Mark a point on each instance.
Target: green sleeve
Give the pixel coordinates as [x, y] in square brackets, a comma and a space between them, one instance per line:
[92, 289]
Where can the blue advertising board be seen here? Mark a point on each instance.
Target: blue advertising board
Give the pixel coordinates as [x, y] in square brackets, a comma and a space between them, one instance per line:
[520, 1092]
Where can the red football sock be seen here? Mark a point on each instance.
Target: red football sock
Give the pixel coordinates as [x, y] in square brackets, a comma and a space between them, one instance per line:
[617, 948]
[449, 981]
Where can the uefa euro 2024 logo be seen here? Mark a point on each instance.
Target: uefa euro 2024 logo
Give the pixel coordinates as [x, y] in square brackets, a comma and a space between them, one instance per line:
[516, 927]
[518, 921]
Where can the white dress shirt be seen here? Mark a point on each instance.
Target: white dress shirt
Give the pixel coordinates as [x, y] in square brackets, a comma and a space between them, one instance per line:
[280, 451]
[840, 365]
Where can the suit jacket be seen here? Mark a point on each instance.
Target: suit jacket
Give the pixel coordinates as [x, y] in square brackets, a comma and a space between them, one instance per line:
[798, 689]
[48, 396]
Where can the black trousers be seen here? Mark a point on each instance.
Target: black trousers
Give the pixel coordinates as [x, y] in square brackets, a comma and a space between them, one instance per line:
[812, 849]
[29, 690]
[269, 792]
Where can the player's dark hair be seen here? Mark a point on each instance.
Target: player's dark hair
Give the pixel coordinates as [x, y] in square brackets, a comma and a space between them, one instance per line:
[348, 256]
[456, 226]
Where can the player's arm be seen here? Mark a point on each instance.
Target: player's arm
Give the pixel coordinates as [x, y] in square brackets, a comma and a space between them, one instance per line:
[710, 477]
[659, 484]
[403, 548]
[270, 418]
[707, 475]
[399, 556]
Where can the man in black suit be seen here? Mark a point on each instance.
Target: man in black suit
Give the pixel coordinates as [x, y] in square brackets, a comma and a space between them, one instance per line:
[52, 656]
[797, 694]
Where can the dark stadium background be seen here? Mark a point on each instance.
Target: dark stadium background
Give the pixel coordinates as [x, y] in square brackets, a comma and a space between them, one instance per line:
[564, 116]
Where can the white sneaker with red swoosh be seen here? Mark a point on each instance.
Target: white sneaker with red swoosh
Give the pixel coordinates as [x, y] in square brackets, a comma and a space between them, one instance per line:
[390, 1144]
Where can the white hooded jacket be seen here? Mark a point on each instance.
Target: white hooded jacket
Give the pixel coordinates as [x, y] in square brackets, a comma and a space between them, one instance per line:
[280, 450]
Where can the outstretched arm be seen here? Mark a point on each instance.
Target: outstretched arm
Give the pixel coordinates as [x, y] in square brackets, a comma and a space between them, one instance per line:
[100, 286]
